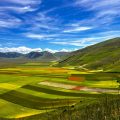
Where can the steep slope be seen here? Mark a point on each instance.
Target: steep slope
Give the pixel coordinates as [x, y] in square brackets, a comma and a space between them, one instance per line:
[104, 55]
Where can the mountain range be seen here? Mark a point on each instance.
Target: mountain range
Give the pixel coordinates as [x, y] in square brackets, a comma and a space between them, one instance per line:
[104, 55]
[42, 56]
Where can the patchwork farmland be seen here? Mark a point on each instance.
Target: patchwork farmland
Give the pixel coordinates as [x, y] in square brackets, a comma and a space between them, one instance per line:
[36, 92]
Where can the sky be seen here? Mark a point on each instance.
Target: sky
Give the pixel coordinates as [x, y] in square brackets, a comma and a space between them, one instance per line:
[56, 25]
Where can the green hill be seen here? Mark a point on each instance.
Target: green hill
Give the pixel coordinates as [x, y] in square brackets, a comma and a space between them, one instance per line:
[104, 55]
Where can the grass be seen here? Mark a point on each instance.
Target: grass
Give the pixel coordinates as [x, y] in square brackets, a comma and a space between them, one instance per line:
[34, 102]
[16, 111]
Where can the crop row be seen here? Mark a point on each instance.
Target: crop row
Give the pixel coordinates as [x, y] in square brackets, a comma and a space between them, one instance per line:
[34, 102]
[62, 93]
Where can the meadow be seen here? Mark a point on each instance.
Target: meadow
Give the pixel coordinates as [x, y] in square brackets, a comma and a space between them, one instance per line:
[40, 91]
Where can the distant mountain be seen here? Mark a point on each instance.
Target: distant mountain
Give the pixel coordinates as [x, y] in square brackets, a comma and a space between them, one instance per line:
[47, 56]
[39, 56]
[34, 55]
[104, 55]
[10, 55]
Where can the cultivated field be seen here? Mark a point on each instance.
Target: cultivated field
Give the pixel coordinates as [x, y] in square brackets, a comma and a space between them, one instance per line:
[38, 91]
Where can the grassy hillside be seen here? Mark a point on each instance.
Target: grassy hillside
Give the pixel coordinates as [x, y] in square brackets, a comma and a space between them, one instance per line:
[61, 55]
[104, 55]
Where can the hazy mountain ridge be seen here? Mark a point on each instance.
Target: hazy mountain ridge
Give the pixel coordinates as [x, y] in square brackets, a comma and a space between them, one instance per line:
[104, 55]
[10, 54]
[42, 56]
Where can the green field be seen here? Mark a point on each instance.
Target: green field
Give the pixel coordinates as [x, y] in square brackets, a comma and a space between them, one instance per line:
[38, 91]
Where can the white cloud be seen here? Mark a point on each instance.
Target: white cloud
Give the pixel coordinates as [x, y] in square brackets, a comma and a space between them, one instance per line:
[104, 11]
[77, 29]
[17, 9]
[107, 12]
[107, 35]
[72, 43]
[35, 36]
[66, 50]
[105, 4]
[54, 51]
[24, 2]
[43, 21]
[50, 50]
[83, 42]
[21, 49]
[98, 5]
[43, 17]
[40, 36]
[39, 21]
[24, 50]
[20, 6]
[7, 21]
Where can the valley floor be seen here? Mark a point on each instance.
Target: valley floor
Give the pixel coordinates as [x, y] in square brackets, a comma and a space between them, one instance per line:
[34, 91]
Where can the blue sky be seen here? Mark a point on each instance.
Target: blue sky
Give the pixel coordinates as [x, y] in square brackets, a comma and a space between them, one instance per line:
[56, 25]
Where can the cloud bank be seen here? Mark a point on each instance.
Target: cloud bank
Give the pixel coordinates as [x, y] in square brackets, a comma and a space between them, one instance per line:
[25, 50]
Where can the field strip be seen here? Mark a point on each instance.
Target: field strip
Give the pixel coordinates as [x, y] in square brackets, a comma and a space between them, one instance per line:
[41, 94]
[71, 93]
[99, 90]
[11, 110]
[9, 86]
[31, 113]
[60, 85]
[34, 102]
[73, 87]
[65, 81]
[103, 90]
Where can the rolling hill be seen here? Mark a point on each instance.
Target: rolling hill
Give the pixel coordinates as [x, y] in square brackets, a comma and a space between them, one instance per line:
[104, 55]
